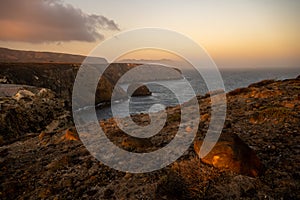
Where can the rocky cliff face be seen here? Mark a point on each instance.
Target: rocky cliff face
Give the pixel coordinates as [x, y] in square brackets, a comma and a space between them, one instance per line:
[60, 77]
[116, 70]
[57, 77]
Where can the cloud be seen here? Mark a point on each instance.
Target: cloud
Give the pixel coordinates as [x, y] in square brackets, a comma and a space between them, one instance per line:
[39, 21]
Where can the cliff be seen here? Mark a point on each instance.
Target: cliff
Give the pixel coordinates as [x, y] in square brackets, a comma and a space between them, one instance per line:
[116, 70]
[57, 77]
[60, 77]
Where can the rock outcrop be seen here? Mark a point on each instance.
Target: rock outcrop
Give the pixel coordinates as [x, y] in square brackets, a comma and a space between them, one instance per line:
[141, 90]
[27, 109]
[116, 70]
[231, 153]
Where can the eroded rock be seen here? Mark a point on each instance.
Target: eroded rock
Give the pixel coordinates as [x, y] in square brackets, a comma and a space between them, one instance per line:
[231, 153]
[138, 89]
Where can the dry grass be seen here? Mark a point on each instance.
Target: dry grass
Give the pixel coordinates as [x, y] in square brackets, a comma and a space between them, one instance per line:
[187, 179]
[273, 114]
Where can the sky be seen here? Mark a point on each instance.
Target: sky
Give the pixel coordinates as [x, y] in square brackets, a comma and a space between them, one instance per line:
[235, 33]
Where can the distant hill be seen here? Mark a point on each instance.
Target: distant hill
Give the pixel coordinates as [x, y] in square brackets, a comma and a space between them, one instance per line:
[18, 56]
[144, 61]
[179, 64]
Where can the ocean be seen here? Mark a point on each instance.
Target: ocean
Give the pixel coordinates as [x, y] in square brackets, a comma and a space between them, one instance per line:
[162, 96]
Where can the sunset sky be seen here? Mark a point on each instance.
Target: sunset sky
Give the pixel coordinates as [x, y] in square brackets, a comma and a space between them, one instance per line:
[236, 33]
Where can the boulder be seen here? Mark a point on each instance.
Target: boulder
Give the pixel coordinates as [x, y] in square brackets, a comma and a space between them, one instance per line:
[231, 153]
[138, 89]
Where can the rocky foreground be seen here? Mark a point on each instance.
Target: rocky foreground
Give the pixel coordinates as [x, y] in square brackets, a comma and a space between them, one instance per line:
[257, 156]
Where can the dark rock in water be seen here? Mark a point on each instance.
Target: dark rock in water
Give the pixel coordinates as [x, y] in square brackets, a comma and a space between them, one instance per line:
[298, 77]
[231, 153]
[138, 89]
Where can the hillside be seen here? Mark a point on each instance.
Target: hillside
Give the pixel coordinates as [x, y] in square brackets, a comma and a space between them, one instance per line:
[18, 56]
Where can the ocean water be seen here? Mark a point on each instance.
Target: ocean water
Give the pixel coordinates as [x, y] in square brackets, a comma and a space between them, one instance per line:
[174, 92]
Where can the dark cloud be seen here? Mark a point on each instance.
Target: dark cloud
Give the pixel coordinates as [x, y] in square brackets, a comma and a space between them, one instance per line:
[49, 20]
